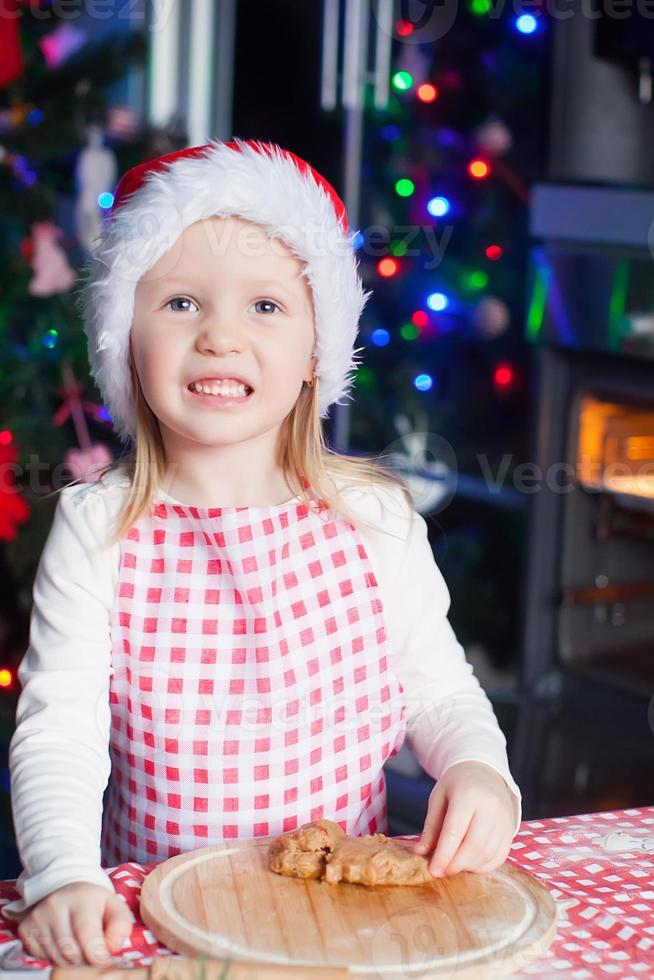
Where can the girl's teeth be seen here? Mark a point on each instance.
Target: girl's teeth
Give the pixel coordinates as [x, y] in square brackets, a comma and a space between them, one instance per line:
[233, 391]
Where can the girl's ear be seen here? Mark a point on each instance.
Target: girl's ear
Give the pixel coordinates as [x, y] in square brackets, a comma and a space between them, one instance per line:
[309, 380]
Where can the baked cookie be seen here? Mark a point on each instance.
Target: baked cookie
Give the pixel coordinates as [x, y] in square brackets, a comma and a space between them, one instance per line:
[321, 849]
[302, 852]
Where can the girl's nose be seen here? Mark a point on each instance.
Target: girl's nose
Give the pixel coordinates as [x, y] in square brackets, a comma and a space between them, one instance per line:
[219, 336]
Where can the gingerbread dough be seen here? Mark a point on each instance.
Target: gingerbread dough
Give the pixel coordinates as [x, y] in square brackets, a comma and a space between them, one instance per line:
[321, 849]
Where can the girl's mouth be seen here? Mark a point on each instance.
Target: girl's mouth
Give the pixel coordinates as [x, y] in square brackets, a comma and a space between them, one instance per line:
[231, 396]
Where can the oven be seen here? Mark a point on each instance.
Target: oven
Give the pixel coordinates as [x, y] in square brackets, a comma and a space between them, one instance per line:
[585, 731]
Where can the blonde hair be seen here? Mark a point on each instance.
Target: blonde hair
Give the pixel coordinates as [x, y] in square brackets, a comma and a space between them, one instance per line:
[307, 462]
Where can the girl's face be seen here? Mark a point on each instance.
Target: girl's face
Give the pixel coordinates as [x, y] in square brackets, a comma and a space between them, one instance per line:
[223, 300]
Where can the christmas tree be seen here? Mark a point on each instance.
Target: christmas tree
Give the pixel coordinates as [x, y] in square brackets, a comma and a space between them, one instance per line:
[63, 143]
[443, 390]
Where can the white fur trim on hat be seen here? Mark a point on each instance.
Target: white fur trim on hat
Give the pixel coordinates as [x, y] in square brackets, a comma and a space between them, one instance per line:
[267, 189]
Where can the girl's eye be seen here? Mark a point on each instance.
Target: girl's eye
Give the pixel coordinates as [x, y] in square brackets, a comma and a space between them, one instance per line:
[268, 301]
[185, 299]
[181, 299]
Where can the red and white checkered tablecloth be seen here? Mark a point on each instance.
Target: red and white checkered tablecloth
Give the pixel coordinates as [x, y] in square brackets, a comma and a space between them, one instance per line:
[599, 867]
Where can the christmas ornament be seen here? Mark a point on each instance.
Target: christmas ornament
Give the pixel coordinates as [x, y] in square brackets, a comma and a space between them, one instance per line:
[95, 174]
[52, 273]
[494, 137]
[122, 122]
[58, 46]
[13, 117]
[11, 57]
[491, 317]
[86, 462]
[13, 508]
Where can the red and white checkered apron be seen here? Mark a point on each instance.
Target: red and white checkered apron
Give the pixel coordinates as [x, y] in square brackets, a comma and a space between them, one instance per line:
[253, 688]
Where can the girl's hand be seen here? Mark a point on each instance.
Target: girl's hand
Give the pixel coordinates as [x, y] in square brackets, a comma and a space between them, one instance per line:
[74, 925]
[470, 819]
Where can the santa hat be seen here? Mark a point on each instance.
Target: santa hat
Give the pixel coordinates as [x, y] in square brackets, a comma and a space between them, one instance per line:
[153, 204]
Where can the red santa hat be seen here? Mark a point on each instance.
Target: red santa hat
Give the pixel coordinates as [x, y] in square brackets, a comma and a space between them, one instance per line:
[261, 182]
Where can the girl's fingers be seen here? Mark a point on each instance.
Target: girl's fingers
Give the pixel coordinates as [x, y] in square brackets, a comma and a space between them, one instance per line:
[433, 823]
[32, 945]
[90, 936]
[61, 933]
[476, 847]
[499, 854]
[492, 865]
[455, 825]
[118, 923]
[48, 948]
[68, 947]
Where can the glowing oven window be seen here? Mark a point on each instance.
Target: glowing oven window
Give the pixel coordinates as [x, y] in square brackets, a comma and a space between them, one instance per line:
[616, 447]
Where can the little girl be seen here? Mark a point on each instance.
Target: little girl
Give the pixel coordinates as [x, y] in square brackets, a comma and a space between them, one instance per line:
[236, 623]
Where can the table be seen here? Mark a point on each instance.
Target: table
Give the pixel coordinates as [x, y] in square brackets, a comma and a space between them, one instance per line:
[599, 867]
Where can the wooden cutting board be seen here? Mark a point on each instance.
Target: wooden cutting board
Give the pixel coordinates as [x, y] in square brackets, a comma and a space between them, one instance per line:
[223, 901]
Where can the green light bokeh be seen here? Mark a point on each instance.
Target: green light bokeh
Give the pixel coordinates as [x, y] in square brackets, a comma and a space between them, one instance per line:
[409, 331]
[402, 81]
[404, 187]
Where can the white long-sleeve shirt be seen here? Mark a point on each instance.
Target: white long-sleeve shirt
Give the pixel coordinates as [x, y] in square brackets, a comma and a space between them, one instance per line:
[59, 753]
